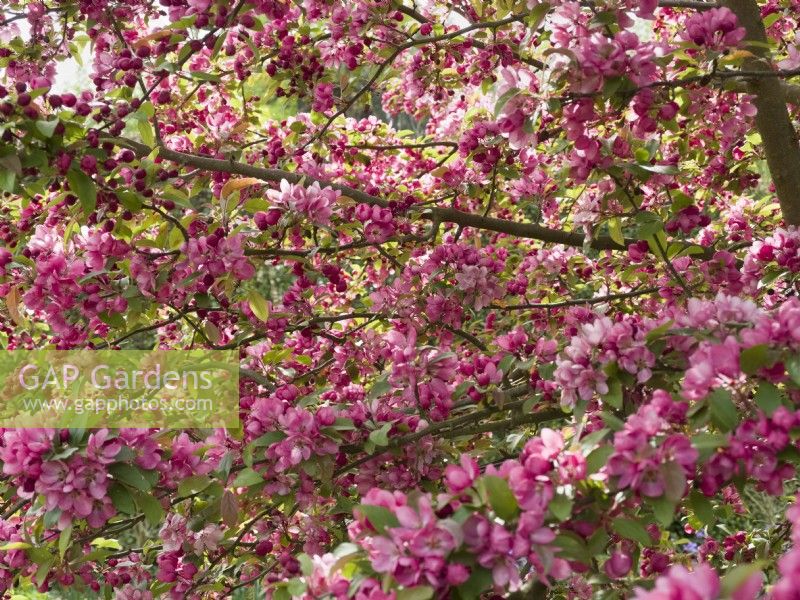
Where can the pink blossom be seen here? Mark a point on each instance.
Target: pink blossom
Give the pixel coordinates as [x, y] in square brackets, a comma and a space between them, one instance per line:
[313, 202]
[461, 477]
[679, 583]
[793, 60]
[716, 28]
[129, 592]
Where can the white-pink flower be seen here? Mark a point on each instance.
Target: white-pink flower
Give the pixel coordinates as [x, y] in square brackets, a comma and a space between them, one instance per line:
[314, 201]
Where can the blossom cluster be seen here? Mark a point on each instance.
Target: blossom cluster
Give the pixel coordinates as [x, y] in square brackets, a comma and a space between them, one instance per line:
[513, 287]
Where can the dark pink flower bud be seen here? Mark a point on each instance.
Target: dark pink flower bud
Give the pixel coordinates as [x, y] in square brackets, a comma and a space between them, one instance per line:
[265, 220]
[89, 164]
[457, 574]
[618, 565]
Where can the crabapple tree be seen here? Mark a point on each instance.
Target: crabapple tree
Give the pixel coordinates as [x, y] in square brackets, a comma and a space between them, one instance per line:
[514, 287]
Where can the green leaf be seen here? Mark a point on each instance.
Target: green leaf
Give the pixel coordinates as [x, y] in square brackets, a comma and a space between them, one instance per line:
[674, 480]
[47, 128]
[107, 543]
[378, 516]
[612, 85]
[380, 387]
[770, 20]
[130, 475]
[51, 518]
[229, 508]
[380, 437]
[611, 420]
[43, 570]
[660, 169]
[147, 109]
[659, 331]
[572, 547]
[597, 458]
[280, 593]
[479, 581]
[115, 320]
[614, 396]
[736, 577]
[15, 546]
[649, 224]
[342, 424]
[268, 439]
[707, 443]
[768, 398]
[83, 187]
[121, 499]
[193, 484]
[258, 304]
[702, 508]
[130, 200]
[63, 540]
[723, 411]
[500, 497]
[248, 477]
[590, 442]
[150, 506]
[506, 363]
[503, 100]
[561, 507]
[306, 564]
[298, 127]
[632, 530]
[615, 231]
[537, 15]
[664, 510]
[146, 132]
[296, 587]
[421, 592]
[789, 454]
[39, 555]
[793, 367]
[753, 358]
[212, 331]
[203, 76]
[7, 180]
[13, 164]
[597, 542]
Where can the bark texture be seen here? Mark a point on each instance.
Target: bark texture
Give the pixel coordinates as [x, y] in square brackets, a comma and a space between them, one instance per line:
[777, 132]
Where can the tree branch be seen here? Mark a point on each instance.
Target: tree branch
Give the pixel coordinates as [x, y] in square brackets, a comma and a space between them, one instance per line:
[597, 300]
[257, 378]
[442, 215]
[525, 230]
[772, 120]
[419, 145]
[218, 165]
[693, 4]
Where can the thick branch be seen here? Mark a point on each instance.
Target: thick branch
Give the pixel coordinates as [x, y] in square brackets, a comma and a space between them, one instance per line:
[236, 168]
[260, 379]
[417, 146]
[773, 122]
[468, 424]
[442, 215]
[792, 92]
[566, 303]
[506, 424]
[693, 4]
[524, 230]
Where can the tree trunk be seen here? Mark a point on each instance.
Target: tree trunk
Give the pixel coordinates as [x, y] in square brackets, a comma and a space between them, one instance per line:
[777, 132]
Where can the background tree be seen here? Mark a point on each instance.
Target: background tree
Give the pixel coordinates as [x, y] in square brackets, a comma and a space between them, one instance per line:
[514, 286]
